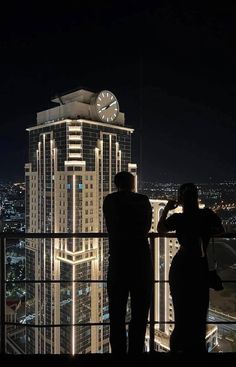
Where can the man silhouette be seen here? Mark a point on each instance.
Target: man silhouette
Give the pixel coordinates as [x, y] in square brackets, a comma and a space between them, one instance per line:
[128, 217]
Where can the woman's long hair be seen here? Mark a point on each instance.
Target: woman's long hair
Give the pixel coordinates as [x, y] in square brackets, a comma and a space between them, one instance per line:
[188, 197]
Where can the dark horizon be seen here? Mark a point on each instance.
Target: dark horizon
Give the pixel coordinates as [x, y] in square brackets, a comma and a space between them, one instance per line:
[171, 66]
[18, 178]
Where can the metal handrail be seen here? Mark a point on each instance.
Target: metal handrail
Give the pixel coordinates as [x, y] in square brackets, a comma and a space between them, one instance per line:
[11, 235]
[18, 235]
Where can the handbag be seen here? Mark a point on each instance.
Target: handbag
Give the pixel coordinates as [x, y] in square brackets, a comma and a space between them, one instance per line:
[215, 281]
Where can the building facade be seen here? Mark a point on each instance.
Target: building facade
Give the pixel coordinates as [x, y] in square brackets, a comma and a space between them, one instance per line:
[75, 149]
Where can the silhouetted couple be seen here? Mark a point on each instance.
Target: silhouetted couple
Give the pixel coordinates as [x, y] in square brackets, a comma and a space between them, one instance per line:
[128, 218]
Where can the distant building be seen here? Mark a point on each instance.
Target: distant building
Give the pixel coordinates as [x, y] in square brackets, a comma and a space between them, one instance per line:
[75, 150]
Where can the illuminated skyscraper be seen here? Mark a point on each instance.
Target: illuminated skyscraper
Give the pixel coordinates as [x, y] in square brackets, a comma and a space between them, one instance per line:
[75, 150]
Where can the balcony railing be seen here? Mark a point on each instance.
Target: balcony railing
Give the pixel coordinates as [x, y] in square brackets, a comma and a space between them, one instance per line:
[5, 325]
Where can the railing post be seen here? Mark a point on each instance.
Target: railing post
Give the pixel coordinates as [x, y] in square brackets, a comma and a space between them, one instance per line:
[3, 295]
[152, 308]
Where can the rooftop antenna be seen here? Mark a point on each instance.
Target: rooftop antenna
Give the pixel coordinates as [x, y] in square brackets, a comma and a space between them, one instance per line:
[58, 95]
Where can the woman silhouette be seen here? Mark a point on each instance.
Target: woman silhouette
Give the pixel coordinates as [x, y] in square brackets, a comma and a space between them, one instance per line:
[188, 276]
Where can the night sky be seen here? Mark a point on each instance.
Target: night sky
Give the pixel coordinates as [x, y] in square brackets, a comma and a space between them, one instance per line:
[172, 66]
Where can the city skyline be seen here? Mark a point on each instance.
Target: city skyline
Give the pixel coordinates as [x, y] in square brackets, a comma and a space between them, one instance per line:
[170, 65]
[220, 197]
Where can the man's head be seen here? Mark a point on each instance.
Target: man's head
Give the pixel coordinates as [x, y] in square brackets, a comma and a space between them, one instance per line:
[124, 181]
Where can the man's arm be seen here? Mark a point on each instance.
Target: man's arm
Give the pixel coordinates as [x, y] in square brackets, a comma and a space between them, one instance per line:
[107, 212]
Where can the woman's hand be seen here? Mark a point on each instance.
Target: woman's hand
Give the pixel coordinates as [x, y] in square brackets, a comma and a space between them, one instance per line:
[171, 204]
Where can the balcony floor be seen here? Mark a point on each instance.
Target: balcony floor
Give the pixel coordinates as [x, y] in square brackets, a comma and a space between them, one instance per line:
[105, 360]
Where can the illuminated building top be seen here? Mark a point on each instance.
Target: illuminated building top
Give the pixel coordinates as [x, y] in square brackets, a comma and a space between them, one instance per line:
[83, 104]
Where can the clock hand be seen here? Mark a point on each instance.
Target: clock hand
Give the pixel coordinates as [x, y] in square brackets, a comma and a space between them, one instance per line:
[104, 108]
[112, 103]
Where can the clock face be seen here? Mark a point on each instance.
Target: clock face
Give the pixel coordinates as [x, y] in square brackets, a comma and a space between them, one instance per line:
[107, 107]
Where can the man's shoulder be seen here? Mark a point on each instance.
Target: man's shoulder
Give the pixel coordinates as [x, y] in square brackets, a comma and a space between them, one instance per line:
[140, 197]
[111, 196]
[133, 196]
